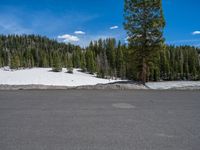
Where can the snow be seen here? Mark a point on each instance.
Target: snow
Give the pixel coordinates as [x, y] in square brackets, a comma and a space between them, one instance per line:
[44, 76]
[173, 84]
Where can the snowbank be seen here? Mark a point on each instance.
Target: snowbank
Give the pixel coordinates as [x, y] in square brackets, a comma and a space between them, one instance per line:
[44, 76]
[174, 85]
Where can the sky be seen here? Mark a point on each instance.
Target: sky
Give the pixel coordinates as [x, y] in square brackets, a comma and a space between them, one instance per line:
[80, 21]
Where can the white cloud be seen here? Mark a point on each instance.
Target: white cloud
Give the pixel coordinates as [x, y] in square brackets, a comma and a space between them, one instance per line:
[114, 27]
[79, 32]
[195, 32]
[68, 38]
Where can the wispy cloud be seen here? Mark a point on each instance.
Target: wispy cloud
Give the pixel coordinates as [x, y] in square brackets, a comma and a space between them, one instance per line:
[79, 32]
[196, 33]
[58, 22]
[114, 27]
[11, 25]
[18, 20]
[68, 38]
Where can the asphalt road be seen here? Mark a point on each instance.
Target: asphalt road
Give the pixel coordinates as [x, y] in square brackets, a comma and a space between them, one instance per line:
[99, 120]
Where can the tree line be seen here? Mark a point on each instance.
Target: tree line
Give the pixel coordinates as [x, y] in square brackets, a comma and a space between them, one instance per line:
[107, 58]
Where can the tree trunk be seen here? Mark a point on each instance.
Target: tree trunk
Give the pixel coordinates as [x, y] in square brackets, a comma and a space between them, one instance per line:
[144, 71]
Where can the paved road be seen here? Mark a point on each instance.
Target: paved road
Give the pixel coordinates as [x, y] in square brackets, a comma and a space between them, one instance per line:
[99, 120]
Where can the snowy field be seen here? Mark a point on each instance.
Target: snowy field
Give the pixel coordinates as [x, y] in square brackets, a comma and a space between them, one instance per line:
[174, 85]
[44, 76]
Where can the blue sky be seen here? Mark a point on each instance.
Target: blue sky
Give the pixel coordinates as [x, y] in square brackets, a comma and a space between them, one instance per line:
[80, 21]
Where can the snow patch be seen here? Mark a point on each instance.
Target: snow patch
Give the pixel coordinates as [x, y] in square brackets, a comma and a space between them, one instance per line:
[172, 84]
[44, 76]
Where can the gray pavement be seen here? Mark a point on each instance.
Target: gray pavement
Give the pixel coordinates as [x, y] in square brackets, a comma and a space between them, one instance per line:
[99, 120]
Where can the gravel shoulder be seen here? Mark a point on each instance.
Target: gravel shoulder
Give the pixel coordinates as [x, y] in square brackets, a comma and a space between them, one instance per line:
[125, 85]
[112, 86]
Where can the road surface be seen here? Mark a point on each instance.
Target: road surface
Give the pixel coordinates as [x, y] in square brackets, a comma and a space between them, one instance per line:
[99, 120]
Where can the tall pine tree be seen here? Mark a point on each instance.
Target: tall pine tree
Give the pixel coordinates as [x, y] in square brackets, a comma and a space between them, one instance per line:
[144, 22]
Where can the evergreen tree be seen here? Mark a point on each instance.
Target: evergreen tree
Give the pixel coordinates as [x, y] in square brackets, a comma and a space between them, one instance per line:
[90, 63]
[56, 63]
[111, 55]
[69, 64]
[144, 23]
[76, 58]
[83, 61]
[120, 62]
[15, 62]
[103, 65]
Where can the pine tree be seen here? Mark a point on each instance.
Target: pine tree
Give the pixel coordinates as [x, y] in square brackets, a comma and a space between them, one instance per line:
[69, 64]
[83, 61]
[56, 63]
[144, 23]
[65, 59]
[103, 65]
[76, 58]
[90, 63]
[15, 62]
[120, 62]
[111, 55]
